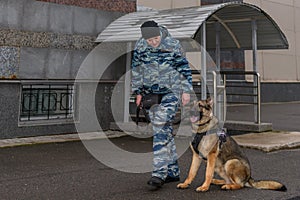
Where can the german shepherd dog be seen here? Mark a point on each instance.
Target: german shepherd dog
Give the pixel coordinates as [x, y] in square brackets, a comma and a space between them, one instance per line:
[223, 157]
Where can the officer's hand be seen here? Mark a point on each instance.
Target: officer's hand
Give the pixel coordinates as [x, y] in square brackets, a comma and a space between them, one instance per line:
[185, 98]
[138, 100]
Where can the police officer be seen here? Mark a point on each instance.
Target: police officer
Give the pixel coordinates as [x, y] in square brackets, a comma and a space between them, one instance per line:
[160, 67]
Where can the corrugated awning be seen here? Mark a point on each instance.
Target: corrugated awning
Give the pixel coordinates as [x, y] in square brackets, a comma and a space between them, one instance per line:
[235, 19]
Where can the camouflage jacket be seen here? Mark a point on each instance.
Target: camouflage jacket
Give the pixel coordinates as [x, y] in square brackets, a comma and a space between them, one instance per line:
[160, 70]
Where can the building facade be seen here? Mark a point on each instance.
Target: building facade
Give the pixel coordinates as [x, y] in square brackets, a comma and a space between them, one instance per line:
[44, 42]
[42, 45]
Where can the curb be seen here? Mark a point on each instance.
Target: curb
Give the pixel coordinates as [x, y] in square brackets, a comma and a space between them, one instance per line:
[59, 138]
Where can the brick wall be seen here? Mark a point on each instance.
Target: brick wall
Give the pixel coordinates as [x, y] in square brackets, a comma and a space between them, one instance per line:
[124, 6]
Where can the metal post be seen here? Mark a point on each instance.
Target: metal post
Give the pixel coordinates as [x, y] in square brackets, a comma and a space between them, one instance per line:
[258, 99]
[218, 78]
[224, 98]
[216, 113]
[218, 47]
[127, 83]
[203, 62]
[254, 44]
[255, 69]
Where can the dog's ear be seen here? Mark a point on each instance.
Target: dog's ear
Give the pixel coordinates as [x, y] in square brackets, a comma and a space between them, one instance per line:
[210, 101]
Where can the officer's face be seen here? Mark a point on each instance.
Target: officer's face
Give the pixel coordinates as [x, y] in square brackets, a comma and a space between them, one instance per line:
[154, 41]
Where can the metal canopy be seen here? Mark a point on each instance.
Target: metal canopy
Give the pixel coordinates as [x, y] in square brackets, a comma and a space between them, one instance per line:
[235, 19]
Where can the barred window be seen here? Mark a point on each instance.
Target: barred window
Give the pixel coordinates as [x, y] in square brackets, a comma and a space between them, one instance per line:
[46, 102]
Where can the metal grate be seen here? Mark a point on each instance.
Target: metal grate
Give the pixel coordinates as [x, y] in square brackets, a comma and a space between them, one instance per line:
[47, 102]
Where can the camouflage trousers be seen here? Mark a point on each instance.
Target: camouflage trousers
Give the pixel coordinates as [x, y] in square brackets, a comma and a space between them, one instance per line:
[164, 149]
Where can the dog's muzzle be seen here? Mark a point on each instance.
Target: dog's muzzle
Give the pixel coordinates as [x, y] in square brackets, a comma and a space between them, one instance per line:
[195, 115]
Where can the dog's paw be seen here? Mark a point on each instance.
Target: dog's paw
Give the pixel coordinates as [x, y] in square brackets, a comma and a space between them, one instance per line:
[202, 189]
[182, 186]
[225, 187]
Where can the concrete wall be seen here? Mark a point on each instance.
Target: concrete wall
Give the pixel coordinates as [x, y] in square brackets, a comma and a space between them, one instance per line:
[48, 41]
[51, 40]
[10, 104]
[280, 65]
[9, 116]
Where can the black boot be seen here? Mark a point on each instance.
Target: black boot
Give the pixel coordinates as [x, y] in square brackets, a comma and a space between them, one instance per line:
[170, 179]
[156, 182]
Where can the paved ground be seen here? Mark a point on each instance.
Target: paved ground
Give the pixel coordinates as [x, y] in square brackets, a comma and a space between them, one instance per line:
[60, 170]
[68, 171]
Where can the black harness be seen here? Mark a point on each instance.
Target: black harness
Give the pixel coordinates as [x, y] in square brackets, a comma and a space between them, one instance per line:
[198, 137]
[195, 143]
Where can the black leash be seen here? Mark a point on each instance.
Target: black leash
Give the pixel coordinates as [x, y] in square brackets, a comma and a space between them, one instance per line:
[138, 110]
[137, 113]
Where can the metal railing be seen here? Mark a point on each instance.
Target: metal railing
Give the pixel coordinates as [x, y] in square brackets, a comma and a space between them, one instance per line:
[44, 102]
[216, 87]
[241, 91]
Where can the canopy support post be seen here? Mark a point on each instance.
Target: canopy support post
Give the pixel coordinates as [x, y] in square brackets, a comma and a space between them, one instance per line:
[218, 97]
[127, 83]
[254, 44]
[256, 84]
[203, 62]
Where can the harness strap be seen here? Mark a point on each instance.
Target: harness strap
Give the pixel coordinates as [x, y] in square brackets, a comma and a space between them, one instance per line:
[195, 143]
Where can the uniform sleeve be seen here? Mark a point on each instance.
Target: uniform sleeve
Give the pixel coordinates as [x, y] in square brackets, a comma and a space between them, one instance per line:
[184, 69]
[136, 74]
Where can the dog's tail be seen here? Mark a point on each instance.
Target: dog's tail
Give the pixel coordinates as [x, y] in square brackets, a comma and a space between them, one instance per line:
[266, 185]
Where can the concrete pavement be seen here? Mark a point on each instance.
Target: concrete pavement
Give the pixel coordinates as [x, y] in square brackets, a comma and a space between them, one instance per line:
[70, 171]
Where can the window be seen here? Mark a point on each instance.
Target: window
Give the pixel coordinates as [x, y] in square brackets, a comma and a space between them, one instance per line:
[47, 102]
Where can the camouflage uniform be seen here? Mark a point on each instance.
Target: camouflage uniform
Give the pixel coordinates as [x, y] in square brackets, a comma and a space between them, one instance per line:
[162, 70]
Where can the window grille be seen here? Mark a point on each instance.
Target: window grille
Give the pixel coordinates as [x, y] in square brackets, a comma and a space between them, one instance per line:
[47, 102]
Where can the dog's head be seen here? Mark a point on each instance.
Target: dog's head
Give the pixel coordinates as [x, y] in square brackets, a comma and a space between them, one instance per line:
[201, 113]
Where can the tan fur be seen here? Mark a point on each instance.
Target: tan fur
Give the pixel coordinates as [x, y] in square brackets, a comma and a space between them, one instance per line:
[228, 161]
